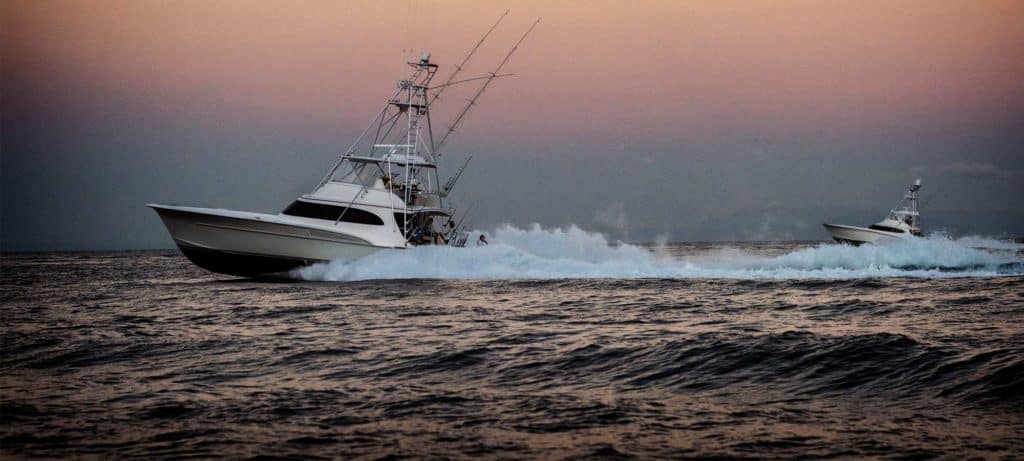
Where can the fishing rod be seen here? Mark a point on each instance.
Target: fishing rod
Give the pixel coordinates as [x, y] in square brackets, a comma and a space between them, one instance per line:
[450, 184]
[458, 226]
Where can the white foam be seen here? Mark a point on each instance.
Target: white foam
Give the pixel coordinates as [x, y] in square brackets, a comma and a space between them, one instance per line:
[555, 253]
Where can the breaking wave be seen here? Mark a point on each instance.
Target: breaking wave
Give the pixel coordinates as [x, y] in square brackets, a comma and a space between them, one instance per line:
[559, 253]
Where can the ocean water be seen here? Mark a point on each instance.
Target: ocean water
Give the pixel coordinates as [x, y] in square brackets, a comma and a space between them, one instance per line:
[546, 344]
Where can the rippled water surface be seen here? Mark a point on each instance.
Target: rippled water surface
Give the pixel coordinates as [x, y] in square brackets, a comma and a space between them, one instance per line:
[142, 354]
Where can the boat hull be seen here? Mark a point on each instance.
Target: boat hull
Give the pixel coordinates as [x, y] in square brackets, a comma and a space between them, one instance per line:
[243, 265]
[250, 245]
[853, 235]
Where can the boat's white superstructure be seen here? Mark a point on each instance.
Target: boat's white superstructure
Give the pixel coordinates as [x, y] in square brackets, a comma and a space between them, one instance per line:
[383, 193]
[901, 223]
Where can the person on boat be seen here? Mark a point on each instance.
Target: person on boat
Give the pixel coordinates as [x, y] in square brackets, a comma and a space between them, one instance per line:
[437, 227]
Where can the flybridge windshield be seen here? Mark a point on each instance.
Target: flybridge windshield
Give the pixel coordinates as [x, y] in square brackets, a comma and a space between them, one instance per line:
[357, 173]
[365, 170]
[391, 176]
[886, 228]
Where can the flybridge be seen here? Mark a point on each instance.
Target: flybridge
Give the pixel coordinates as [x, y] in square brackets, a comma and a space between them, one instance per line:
[906, 210]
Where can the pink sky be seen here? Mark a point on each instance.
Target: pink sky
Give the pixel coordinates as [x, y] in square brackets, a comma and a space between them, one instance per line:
[700, 70]
[688, 111]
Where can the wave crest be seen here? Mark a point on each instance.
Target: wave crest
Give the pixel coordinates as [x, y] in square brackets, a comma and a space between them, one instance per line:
[560, 253]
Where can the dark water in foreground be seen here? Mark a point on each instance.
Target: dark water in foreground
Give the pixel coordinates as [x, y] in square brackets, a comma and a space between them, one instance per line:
[141, 354]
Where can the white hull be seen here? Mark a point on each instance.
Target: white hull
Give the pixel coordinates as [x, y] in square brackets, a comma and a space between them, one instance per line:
[249, 244]
[860, 235]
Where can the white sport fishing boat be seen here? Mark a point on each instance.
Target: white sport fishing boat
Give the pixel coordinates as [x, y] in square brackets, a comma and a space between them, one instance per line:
[901, 223]
[383, 193]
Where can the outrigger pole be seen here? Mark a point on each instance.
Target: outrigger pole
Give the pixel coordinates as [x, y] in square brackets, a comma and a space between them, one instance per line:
[458, 226]
[472, 101]
[465, 60]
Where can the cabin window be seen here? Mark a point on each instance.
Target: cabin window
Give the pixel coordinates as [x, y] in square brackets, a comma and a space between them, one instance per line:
[886, 229]
[331, 213]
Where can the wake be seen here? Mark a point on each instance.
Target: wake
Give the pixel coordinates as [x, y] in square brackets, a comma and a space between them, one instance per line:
[562, 253]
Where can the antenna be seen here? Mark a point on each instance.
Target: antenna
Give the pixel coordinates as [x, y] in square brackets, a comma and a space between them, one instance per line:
[479, 92]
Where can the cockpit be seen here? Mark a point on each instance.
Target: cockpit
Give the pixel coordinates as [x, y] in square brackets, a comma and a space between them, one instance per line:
[426, 227]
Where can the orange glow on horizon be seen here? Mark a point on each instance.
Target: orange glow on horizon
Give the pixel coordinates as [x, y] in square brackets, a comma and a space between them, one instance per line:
[592, 69]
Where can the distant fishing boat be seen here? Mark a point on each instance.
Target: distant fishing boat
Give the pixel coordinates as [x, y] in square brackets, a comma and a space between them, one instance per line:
[383, 193]
[901, 223]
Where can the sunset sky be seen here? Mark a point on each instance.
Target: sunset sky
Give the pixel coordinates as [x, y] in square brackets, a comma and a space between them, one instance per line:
[695, 120]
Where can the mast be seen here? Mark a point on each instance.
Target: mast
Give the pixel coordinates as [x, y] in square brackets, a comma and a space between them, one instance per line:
[912, 197]
[415, 106]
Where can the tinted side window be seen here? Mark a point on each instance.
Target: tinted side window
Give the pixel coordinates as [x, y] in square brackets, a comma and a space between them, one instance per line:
[331, 213]
[313, 210]
[886, 228]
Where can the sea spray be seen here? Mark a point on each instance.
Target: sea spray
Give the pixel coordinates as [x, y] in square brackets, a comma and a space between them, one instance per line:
[571, 252]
